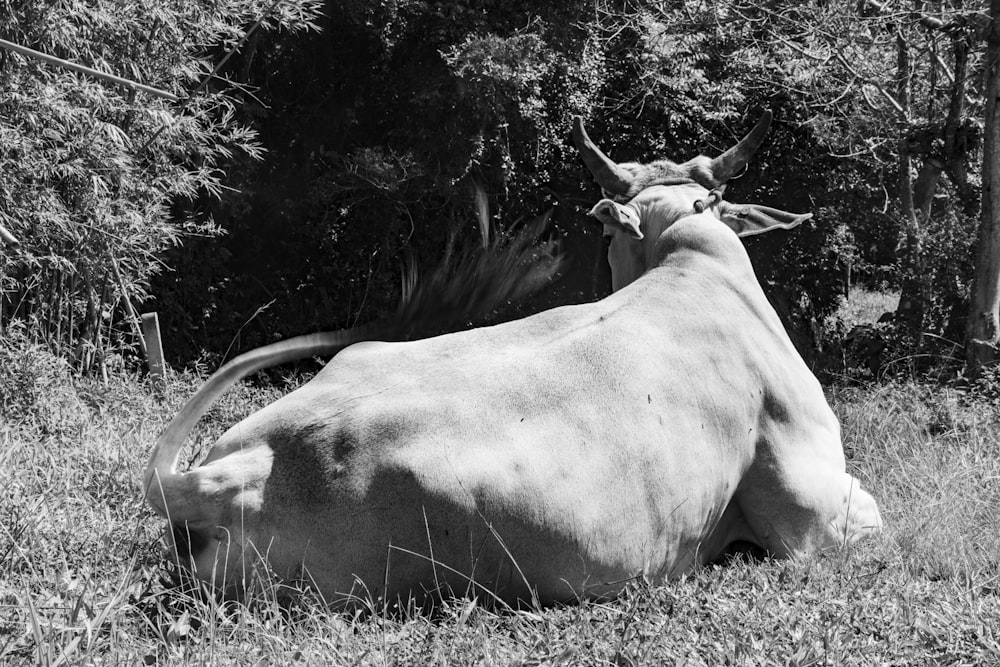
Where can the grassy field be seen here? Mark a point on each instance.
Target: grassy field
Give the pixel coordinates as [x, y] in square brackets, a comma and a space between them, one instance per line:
[82, 580]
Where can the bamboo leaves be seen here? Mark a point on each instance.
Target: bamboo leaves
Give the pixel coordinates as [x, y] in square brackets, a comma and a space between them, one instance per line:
[91, 173]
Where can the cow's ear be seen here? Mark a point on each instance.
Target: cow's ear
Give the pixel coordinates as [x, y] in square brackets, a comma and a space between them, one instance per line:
[750, 219]
[620, 216]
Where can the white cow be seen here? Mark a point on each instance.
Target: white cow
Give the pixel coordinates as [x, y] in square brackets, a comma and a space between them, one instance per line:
[545, 459]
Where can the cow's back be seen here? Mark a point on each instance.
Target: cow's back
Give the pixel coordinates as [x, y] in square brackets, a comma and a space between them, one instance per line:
[580, 446]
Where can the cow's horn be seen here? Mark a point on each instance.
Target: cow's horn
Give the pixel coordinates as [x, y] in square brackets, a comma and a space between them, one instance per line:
[733, 161]
[608, 174]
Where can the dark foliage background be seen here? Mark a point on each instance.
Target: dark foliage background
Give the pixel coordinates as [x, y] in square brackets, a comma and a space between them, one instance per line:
[378, 127]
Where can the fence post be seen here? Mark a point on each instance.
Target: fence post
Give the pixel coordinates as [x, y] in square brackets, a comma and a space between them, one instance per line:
[154, 352]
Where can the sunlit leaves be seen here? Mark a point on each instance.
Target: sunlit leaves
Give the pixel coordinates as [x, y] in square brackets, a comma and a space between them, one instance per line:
[90, 170]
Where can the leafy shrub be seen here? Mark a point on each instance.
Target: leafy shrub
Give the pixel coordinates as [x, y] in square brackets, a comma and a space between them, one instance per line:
[987, 385]
[930, 344]
[948, 246]
[36, 387]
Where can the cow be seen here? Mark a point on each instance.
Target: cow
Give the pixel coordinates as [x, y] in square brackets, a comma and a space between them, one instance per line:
[544, 460]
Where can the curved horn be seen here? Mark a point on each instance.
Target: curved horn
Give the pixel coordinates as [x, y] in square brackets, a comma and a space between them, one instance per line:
[173, 494]
[606, 171]
[733, 161]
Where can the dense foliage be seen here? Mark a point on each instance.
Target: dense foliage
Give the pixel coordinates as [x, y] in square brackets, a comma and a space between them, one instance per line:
[93, 177]
[380, 127]
[896, 91]
[378, 130]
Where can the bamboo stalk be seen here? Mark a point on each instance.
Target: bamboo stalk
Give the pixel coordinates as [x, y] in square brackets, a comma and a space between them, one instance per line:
[98, 349]
[47, 302]
[59, 312]
[88, 321]
[31, 53]
[103, 358]
[3, 299]
[133, 318]
[70, 329]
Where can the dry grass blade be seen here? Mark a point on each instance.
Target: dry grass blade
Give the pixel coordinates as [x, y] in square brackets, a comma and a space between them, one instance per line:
[474, 283]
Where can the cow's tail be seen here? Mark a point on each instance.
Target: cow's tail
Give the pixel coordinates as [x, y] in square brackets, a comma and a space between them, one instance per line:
[174, 494]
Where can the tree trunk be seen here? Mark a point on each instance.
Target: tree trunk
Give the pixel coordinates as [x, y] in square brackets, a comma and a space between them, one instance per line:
[982, 342]
[956, 147]
[916, 198]
[910, 309]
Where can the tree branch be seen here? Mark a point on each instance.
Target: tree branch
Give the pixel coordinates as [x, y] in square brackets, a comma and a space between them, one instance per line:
[926, 20]
[886, 94]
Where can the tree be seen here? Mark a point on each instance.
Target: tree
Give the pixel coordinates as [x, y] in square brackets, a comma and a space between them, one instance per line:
[94, 177]
[983, 337]
[891, 89]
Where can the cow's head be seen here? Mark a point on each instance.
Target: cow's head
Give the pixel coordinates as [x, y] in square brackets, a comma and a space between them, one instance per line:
[644, 200]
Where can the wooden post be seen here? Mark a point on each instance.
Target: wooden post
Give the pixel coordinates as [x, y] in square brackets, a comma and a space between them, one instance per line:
[154, 351]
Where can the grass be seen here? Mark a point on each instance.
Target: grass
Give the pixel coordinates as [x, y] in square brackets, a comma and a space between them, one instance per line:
[865, 306]
[82, 580]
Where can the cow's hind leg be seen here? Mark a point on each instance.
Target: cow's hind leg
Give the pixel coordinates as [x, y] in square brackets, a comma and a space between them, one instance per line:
[732, 537]
[801, 502]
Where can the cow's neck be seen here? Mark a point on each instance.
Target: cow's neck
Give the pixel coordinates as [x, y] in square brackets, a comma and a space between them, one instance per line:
[696, 238]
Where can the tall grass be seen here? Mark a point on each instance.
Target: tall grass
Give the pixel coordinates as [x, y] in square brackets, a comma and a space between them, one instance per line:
[82, 578]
